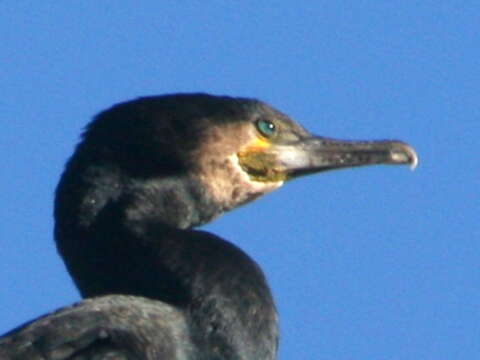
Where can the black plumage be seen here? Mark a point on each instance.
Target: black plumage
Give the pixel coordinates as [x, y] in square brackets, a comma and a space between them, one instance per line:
[145, 174]
[107, 327]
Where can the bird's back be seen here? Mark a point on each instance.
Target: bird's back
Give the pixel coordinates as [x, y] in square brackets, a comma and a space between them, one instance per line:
[108, 327]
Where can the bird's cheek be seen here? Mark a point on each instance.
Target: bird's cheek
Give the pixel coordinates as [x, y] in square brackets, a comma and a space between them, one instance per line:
[261, 166]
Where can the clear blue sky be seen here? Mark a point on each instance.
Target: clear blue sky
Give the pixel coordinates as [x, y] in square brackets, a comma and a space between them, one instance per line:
[373, 263]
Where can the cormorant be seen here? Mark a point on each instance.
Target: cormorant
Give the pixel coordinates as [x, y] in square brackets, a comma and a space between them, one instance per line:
[144, 175]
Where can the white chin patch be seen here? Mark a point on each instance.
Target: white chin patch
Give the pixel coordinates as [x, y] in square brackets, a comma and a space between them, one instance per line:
[231, 186]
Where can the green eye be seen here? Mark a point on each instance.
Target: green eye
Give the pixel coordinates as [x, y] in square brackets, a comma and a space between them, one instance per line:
[266, 128]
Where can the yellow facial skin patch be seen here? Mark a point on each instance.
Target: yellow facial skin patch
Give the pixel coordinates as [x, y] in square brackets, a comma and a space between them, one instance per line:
[259, 163]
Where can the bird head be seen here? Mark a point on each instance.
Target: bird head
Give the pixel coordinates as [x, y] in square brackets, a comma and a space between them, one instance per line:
[253, 149]
[232, 149]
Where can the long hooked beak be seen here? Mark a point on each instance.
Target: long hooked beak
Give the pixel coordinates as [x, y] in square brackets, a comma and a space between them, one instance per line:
[316, 154]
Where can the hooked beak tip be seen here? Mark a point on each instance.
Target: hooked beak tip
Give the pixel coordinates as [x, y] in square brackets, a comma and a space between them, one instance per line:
[404, 153]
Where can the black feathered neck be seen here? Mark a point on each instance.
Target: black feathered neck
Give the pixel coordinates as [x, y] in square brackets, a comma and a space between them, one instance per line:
[125, 208]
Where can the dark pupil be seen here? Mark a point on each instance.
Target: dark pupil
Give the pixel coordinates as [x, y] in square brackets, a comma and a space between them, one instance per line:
[267, 128]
